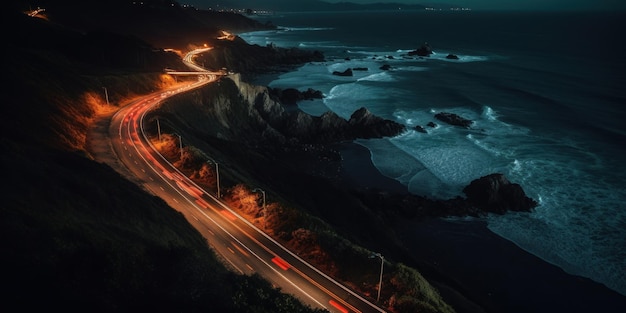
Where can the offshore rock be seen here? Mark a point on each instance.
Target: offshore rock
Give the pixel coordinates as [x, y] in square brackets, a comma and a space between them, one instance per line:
[347, 72]
[494, 193]
[420, 129]
[423, 51]
[453, 119]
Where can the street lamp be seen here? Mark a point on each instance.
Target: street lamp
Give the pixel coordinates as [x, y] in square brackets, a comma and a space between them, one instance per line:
[217, 173]
[264, 211]
[180, 145]
[106, 94]
[380, 280]
[159, 129]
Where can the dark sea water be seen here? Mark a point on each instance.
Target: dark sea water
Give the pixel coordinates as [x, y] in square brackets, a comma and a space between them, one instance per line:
[547, 92]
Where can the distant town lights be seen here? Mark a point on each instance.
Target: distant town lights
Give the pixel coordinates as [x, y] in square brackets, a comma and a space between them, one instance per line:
[449, 9]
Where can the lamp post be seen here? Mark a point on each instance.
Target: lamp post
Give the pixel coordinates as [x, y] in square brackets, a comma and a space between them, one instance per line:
[159, 129]
[217, 173]
[380, 280]
[264, 211]
[106, 94]
[180, 145]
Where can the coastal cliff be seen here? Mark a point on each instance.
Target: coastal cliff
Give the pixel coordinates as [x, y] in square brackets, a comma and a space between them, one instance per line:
[293, 156]
[233, 110]
[238, 56]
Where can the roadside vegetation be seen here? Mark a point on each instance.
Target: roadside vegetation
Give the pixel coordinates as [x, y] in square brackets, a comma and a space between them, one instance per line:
[404, 289]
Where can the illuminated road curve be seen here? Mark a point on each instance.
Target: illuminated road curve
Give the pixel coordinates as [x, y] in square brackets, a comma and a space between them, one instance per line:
[241, 245]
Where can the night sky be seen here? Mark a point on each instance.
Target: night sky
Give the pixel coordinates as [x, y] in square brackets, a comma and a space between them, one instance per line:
[513, 4]
[473, 4]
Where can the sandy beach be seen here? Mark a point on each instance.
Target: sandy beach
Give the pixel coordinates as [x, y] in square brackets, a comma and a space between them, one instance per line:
[493, 271]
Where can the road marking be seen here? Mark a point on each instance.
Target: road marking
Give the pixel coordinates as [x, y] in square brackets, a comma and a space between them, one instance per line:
[240, 249]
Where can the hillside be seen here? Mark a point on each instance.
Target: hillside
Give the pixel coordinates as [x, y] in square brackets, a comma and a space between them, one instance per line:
[76, 234]
[310, 5]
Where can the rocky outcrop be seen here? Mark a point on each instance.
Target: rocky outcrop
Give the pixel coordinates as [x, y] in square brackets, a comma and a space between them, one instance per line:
[420, 129]
[453, 119]
[245, 112]
[347, 72]
[291, 96]
[490, 194]
[494, 193]
[238, 56]
[364, 124]
[331, 128]
[327, 128]
[423, 51]
[452, 57]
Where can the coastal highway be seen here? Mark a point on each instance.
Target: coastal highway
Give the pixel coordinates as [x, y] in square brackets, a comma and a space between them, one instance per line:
[242, 247]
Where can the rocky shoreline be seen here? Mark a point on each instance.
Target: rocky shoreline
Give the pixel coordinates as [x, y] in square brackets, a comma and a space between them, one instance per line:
[465, 260]
[313, 160]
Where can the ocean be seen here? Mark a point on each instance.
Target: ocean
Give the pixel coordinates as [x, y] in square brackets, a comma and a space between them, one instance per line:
[546, 92]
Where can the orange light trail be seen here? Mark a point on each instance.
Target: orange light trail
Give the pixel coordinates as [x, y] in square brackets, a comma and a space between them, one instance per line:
[229, 215]
[338, 306]
[281, 263]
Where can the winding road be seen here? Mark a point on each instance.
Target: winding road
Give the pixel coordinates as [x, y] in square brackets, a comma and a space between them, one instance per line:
[243, 247]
